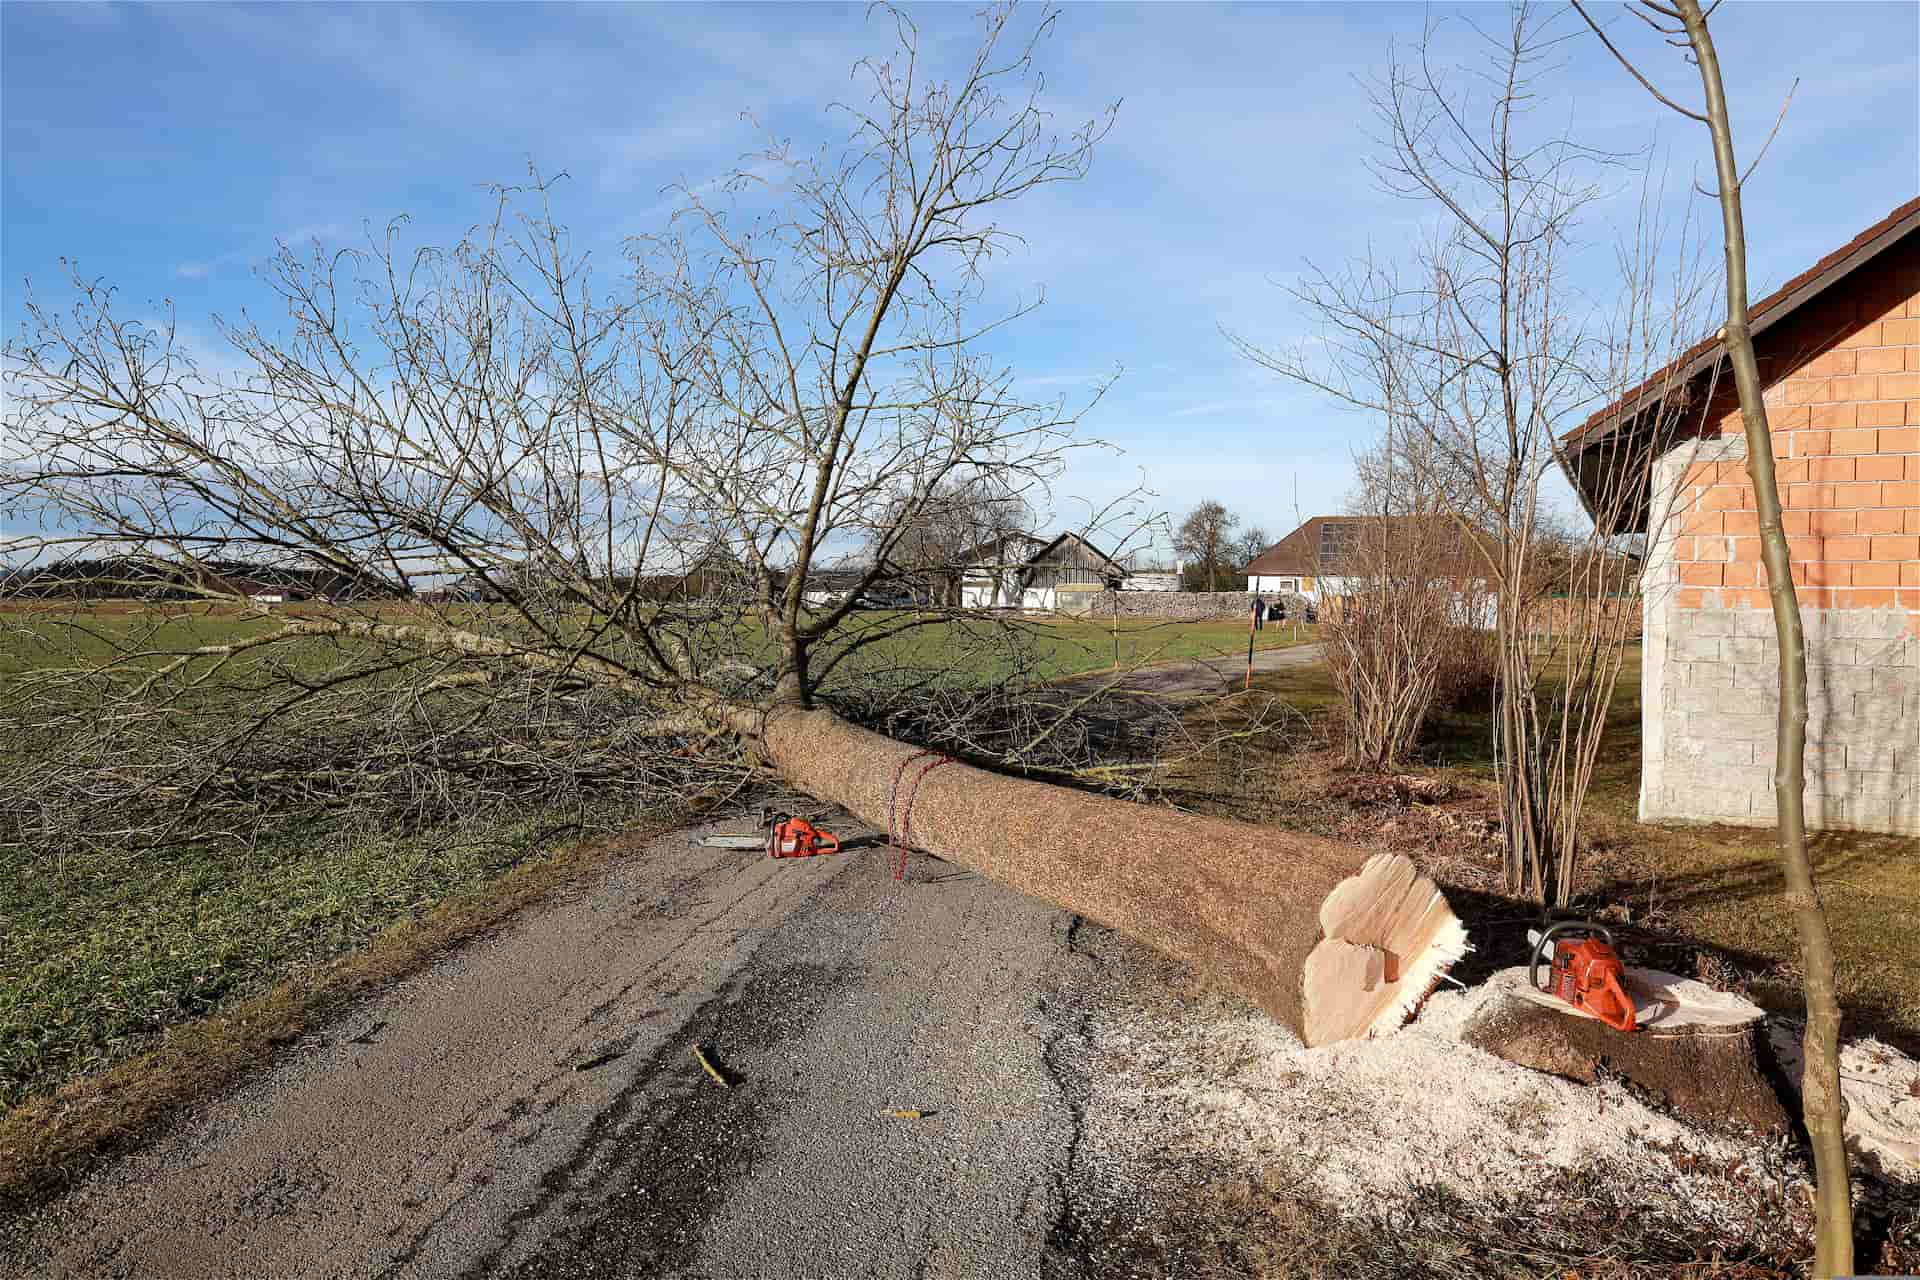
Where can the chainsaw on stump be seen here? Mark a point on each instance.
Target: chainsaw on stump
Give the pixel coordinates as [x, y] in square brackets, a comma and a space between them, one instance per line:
[791, 837]
[1585, 971]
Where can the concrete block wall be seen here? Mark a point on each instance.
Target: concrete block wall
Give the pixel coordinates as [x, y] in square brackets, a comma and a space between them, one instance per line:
[1719, 698]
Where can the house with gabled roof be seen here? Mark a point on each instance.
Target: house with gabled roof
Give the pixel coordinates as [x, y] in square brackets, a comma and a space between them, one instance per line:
[1839, 353]
[1326, 554]
[1023, 571]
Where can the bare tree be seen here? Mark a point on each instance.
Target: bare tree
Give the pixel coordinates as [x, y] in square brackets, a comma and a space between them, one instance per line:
[1251, 541]
[757, 398]
[751, 399]
[1205, 538]
[1406, 470]
[1476, 354]
[1685, 23]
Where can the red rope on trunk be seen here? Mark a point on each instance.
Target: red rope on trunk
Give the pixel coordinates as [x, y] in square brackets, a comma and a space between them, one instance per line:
[898, 842]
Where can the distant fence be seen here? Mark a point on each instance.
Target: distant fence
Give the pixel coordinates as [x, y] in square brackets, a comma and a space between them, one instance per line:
[1557, 616]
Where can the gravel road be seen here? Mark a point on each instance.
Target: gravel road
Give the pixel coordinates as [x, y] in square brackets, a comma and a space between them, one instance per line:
[531, 1105]
[1197, 677]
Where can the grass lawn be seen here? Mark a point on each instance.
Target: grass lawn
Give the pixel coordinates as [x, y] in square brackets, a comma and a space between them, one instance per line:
[105, 951]
[1715, 890]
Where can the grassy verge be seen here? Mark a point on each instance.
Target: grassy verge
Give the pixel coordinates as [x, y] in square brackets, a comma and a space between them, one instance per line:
[1705, 899]
[378, 937]
[104, 952]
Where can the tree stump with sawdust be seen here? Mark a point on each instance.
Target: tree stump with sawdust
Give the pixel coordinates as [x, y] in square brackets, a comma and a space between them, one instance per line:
[1333, 941]
[1701, 1053]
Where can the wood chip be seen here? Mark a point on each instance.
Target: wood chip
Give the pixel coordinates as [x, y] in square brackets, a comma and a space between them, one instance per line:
[706, 1065]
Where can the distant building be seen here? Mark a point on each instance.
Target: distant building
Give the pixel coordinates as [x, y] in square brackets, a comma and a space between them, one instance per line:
[1151, 580]
[1021, 571]
[1330, 557]
[1322, 556]
[262, 592]
[826, 588]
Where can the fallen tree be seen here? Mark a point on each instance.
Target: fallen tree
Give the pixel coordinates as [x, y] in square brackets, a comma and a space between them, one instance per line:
[514, 466]
[1330, 940]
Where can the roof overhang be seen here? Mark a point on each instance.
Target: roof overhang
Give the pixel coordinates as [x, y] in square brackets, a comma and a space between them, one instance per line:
[1580, 458]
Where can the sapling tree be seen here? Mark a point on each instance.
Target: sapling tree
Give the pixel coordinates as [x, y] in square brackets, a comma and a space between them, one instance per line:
[1684, 23]
[1474, 354]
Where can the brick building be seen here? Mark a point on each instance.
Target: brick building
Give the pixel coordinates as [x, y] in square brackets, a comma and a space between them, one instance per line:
[1839, 355]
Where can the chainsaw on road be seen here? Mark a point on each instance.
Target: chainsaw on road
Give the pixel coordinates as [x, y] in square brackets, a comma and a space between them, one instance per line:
[1584, 971]
[791, 837]
[787, 837]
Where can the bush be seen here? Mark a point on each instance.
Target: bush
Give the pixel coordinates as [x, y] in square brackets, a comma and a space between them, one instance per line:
[1384, 645]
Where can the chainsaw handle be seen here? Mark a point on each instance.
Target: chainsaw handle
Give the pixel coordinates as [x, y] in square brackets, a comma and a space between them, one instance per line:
[829, 843]
[1627, 1021]
[1546, 941]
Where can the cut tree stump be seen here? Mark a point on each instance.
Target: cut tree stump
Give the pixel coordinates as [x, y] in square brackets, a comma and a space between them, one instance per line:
[1331, 940]
[1702, 1053]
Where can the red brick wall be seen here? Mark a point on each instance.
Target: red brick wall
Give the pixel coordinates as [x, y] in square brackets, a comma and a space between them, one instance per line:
[1843, 399]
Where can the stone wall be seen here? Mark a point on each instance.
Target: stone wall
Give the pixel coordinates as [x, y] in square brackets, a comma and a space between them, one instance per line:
[1184, 605]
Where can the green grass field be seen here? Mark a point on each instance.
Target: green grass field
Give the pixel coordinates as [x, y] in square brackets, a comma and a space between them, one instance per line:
[105, 950]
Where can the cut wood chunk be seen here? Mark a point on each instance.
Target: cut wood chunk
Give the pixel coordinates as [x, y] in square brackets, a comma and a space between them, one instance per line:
[1249, 905]
[1702, 1053]
[1388, 935]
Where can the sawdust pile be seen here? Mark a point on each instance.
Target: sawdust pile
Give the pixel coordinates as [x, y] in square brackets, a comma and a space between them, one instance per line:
[1360, 1124]
[1882, 1087]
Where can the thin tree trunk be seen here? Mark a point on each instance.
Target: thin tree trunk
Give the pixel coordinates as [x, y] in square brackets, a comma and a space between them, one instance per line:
[1824, 1109]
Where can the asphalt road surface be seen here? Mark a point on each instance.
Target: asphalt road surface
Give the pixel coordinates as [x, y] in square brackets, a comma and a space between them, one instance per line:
[531, 1105]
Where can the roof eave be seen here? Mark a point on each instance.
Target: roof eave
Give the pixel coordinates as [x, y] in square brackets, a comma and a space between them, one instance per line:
[1776, 308]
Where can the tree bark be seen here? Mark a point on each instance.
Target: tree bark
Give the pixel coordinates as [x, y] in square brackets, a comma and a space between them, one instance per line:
[1331, 941]
[1823, 1107]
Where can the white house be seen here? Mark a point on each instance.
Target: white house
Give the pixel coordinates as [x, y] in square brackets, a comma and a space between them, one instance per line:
[1320, 560]
[1021, 571]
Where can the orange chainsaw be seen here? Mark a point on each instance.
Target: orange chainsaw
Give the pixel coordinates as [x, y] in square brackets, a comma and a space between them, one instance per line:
[793, 837]
[1585, 971]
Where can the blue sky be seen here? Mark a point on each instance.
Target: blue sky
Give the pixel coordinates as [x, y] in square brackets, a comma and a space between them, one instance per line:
[166, 148]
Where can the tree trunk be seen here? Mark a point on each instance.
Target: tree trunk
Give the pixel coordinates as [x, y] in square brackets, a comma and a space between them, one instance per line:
[1822, 1105]
[1700, 1052]
[1331, 941]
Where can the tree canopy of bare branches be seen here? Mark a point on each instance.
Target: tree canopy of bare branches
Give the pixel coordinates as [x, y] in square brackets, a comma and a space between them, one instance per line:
[1205, 537]
[509, 421]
